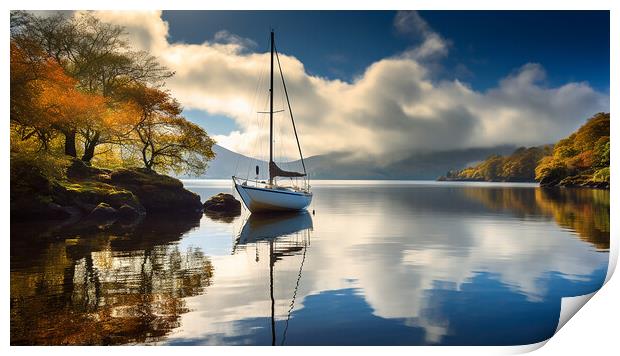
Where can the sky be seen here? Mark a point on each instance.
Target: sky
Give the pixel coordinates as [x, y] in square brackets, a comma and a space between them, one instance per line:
[383, 84]
[572, 45]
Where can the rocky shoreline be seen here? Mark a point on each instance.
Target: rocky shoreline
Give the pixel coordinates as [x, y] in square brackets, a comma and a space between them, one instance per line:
[96, 194]
[459, 179]
[578, 181]
[567, 182]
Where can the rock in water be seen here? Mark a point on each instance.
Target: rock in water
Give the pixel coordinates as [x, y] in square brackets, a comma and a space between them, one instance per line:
[223, 204]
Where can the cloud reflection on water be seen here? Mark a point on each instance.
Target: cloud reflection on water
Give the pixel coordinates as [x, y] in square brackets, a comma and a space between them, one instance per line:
[396, 246]
[379, 263]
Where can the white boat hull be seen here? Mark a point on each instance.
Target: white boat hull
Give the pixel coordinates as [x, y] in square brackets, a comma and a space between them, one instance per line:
[258, 199]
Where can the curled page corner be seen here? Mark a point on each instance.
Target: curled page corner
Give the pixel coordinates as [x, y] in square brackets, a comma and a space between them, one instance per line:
[522, 349]
[613, 259]
[570, 306]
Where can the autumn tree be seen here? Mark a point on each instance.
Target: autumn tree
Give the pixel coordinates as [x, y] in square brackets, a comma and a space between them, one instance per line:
[27, 71]
[75, 80]
[43, 59]
[584, 154]
[97, 56]
[166, 140]
[520, 165]
[517, 167]
[45, 98]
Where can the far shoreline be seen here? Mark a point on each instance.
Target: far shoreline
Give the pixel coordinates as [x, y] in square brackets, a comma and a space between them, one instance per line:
[225, 182]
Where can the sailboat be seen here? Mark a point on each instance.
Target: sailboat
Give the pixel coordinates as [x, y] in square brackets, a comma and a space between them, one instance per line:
[268, 196]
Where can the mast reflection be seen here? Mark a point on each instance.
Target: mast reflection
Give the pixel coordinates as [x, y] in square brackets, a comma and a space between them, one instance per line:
[287, 235]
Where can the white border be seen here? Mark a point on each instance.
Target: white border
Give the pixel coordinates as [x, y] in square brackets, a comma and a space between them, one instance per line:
[593, 329]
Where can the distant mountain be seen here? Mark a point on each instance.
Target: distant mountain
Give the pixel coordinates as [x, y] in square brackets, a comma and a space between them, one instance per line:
[228, 163]
[225, 162]
[343, 166]
[417, 166]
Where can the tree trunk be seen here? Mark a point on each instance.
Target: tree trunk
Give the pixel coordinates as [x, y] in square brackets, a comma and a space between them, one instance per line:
[89, 148]
[144, 159]
[70, 149]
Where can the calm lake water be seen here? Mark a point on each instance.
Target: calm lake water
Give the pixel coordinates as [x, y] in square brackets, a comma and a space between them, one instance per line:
[379, 263]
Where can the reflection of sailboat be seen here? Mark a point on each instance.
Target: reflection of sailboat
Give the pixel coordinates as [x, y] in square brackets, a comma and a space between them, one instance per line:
[266, 226]
[269, 196]
[287, 235]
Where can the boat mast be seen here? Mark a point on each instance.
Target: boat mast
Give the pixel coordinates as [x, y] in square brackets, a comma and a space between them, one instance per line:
[271, 113]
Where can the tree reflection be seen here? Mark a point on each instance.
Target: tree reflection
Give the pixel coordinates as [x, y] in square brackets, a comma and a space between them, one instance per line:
[116, 286]
[585, 211]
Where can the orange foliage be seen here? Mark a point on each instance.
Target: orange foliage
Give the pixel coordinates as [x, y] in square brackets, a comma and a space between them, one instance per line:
[583, 160]
[123, 114]
[66, 105]
[151, 100]
[50, 108]
[43, 94]
[579, 157]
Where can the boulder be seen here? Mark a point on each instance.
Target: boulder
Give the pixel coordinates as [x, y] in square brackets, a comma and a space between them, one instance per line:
[128, 212]
[78, 169]
[30, 193]
[222, 204]
[550, 181]
[574, 181]
[86, 195]
[156, 192]
[102, 211]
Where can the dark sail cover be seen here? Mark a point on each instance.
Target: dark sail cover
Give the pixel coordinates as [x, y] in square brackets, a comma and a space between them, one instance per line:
[275, 171]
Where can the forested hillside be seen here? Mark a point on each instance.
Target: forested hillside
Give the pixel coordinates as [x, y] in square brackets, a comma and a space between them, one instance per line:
[582, 159]
[517, 167]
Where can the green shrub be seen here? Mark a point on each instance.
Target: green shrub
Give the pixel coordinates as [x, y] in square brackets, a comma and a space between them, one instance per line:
[602, 175]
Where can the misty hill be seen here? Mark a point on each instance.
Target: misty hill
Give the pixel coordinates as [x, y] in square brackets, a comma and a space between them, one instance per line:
[228, 163]
[343, 166]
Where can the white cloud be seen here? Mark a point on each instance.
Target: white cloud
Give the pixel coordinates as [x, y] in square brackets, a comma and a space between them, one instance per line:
[412, 24]
[145, 29]
[224, 36]
[393, 109]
